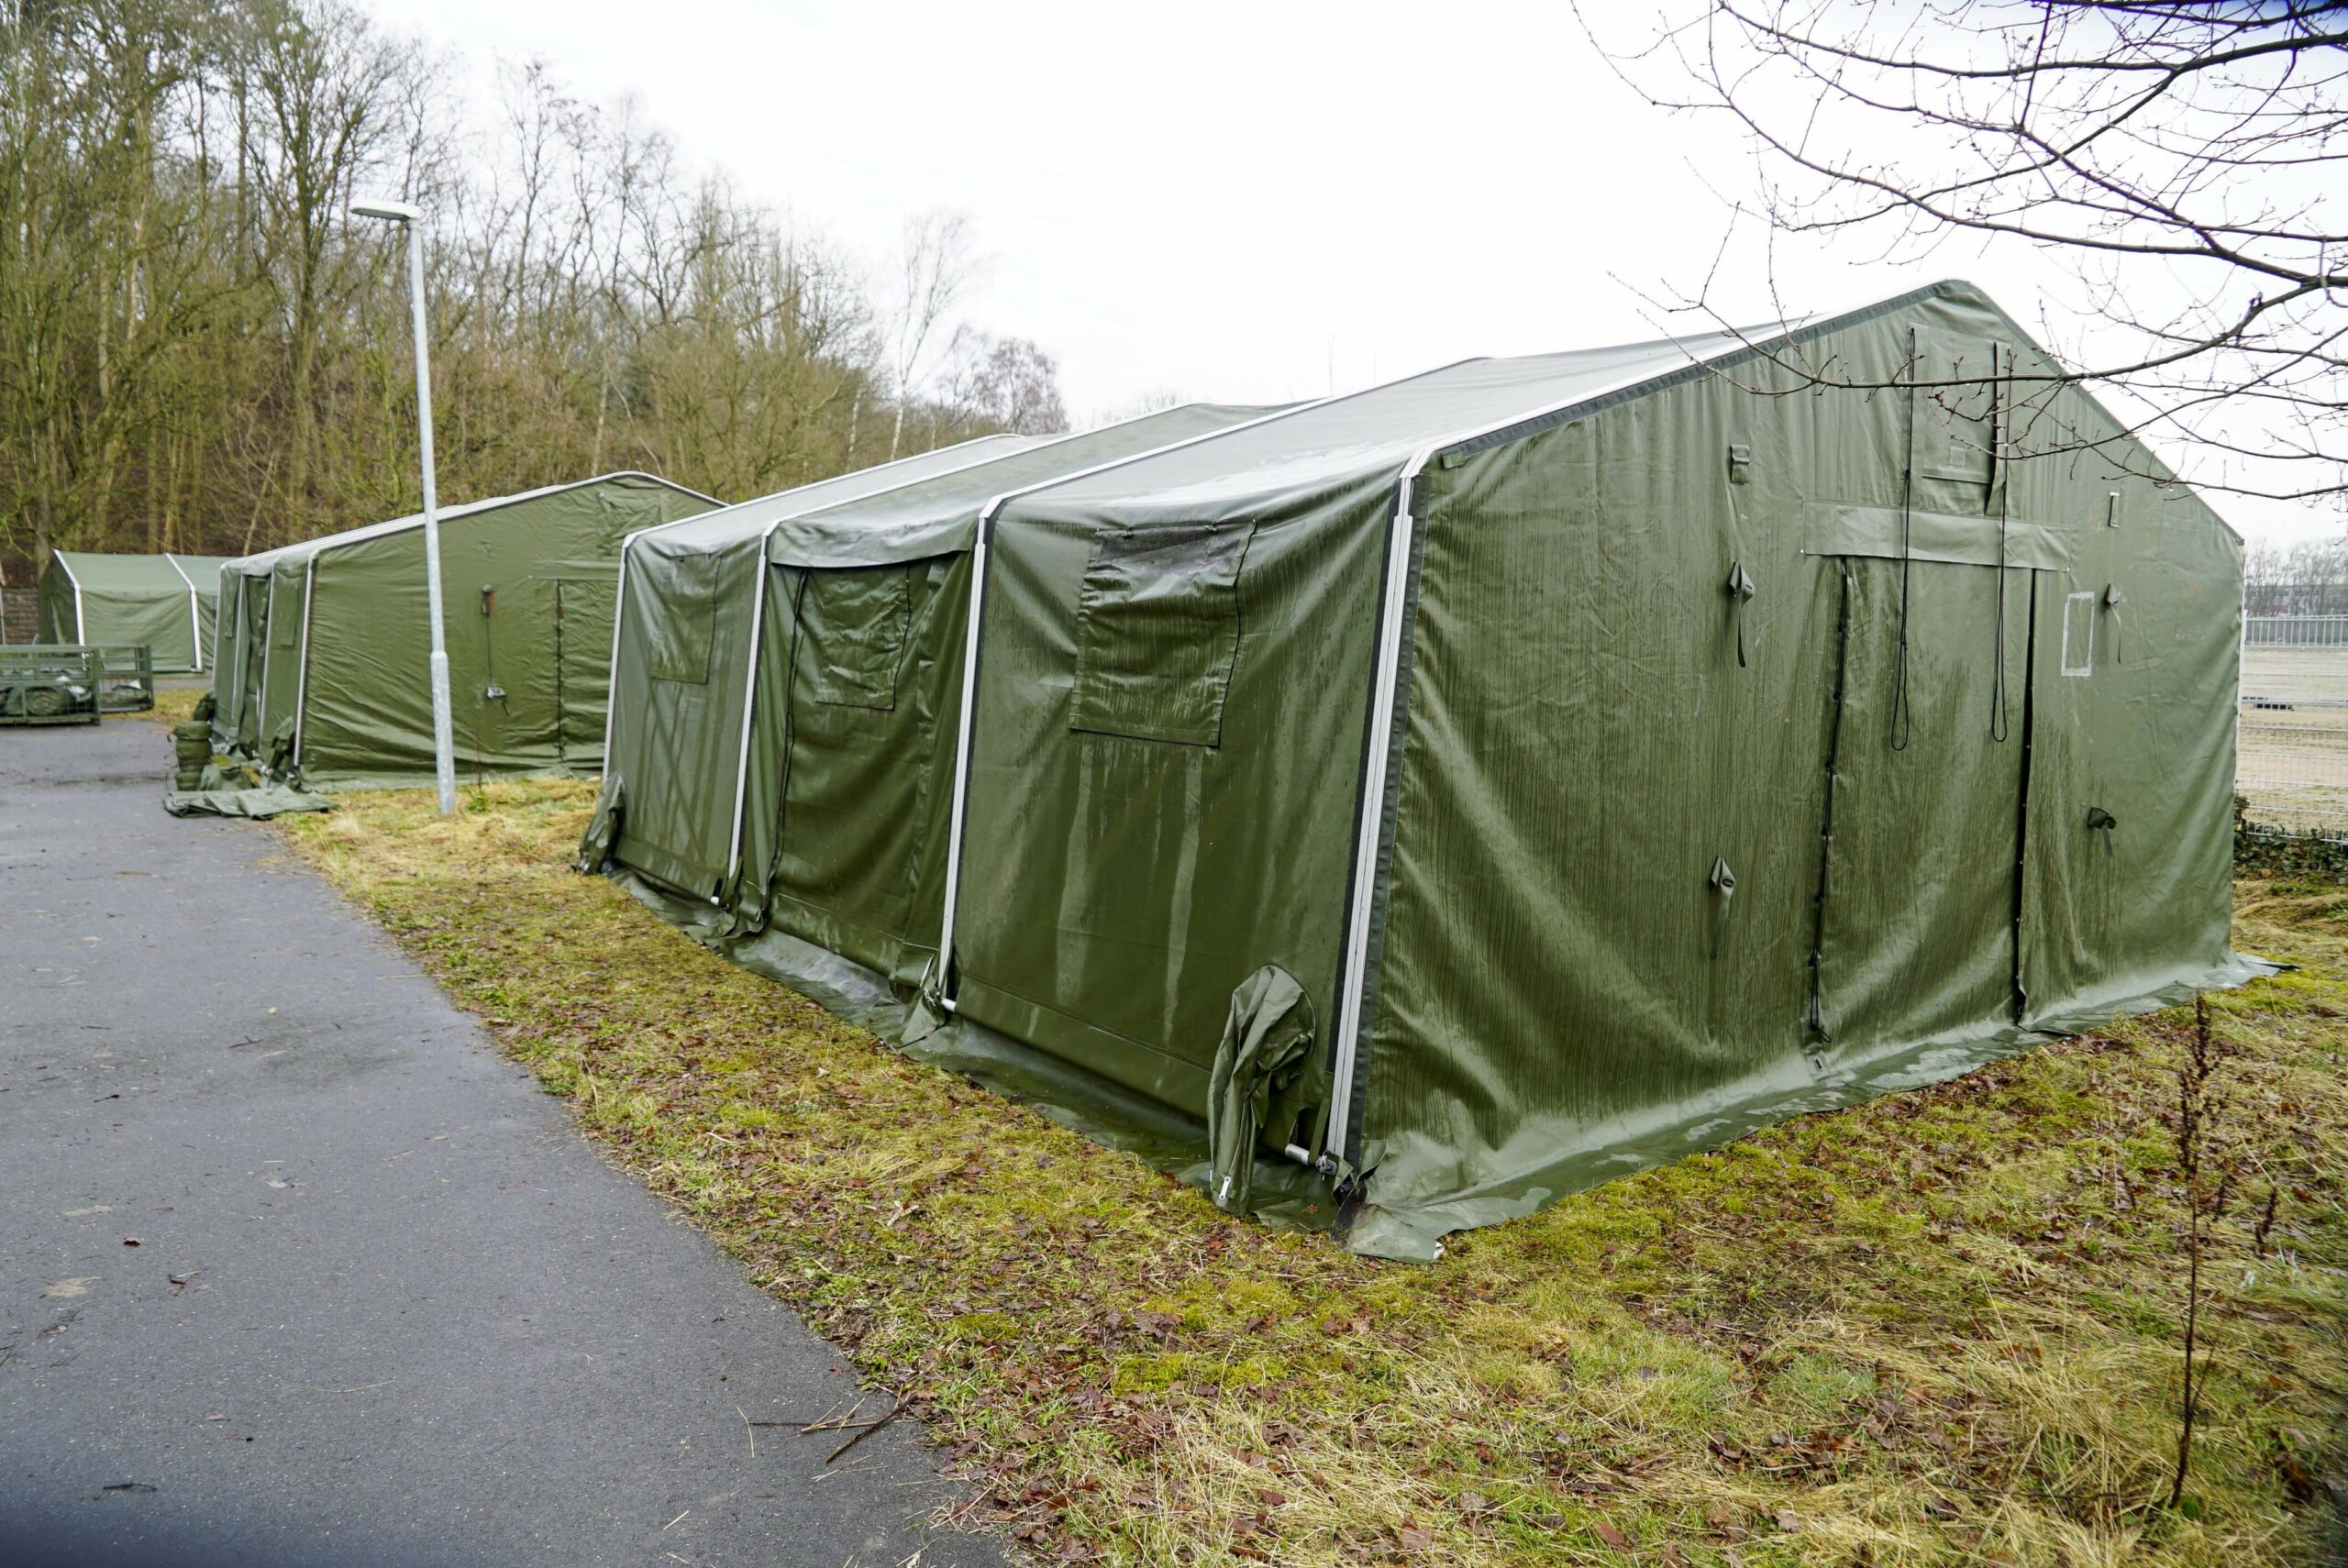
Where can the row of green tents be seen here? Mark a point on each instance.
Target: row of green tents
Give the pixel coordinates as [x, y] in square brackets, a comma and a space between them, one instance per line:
[1411, 806]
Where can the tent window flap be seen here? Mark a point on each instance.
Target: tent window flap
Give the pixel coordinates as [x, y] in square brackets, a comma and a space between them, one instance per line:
[681, 639]
[2078, 633]
[1157, 631]
[1958, 420]
[855, 624]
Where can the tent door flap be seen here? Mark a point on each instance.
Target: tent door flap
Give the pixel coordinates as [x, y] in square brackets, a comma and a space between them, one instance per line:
[1920, 886]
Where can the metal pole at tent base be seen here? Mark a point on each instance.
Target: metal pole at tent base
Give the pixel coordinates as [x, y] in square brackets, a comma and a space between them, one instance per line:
[444, 758]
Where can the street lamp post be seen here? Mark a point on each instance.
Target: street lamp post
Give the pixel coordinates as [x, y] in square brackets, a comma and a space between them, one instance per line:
[443, 762]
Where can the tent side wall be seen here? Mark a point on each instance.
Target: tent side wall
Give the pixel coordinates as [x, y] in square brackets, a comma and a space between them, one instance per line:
[1155, 816]
[683, 662]
[1594, 725]
[286, 586]
[228, 649]
[252, 661]
[59, 619]
[121, 600]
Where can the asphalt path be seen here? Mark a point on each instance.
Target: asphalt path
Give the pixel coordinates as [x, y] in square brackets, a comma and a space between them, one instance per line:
[296, 1269]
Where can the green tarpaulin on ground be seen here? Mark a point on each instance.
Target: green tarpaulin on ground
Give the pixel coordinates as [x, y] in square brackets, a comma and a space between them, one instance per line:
[165, 601]
[1585, 757]
[260, 803]
[324, 652]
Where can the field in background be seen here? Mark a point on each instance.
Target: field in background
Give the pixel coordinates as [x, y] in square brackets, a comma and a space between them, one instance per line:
[1940, 1329]
[2293, 757]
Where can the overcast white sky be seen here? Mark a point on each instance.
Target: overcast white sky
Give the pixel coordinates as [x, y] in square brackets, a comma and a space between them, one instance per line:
[1243, 201]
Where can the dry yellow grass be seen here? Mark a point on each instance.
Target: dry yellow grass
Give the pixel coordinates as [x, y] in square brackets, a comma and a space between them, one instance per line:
[1940, 1329]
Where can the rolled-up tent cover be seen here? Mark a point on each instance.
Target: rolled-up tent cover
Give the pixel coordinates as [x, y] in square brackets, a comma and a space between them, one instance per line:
[163, 601]
[323, 659]
[1469, 789]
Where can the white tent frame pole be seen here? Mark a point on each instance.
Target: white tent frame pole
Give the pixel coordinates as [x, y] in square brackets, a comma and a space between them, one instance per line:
[302, 668]
[612, 677]
[749, 705]
[81, 626]
[267, 641]
[194, 613]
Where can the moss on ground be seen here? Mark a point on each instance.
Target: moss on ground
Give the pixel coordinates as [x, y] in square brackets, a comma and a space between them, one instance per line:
[1938, 1329]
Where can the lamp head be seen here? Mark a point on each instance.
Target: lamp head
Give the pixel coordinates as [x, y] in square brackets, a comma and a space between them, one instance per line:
[397, 212]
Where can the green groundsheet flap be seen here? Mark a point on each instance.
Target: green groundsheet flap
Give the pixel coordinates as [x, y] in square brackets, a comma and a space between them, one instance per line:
[258, 803]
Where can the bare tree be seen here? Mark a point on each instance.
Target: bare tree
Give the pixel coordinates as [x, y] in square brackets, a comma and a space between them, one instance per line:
[935, 266]
[1007, 382]
[2186, 158]
[2307, 577]
[197, 351]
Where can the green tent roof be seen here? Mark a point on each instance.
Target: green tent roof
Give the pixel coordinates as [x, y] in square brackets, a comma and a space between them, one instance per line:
[939, 515]
[751, 519]
[258, 565]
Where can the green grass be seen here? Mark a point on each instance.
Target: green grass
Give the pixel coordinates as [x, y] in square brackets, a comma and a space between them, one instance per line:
[174, 704]
[1938, 1329]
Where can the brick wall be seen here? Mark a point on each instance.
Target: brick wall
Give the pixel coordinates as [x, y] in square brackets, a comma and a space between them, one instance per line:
[19, 614]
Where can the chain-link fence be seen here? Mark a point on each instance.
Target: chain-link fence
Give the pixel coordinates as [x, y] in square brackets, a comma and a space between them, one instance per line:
[2293, 763]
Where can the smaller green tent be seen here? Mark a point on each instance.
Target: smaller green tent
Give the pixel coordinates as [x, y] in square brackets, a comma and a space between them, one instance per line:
[165, 601]
[325, 644]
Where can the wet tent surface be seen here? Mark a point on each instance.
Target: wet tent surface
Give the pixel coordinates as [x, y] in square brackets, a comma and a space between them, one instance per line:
[432, 1324]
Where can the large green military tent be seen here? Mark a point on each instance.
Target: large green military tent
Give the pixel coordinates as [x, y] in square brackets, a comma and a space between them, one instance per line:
[788, 679]
[1526, 772]
[323, 653]
[165, 601]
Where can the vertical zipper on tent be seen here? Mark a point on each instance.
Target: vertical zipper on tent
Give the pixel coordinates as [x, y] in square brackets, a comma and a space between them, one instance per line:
[1826, 819]
[790, 712]
[2021, 808]
[2001, 714]
[1902, 722]
[562, 708]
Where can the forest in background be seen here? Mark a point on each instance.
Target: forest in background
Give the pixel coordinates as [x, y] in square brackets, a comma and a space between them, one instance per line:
[200, 351]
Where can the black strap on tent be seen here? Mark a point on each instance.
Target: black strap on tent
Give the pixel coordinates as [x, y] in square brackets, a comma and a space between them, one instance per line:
[1721, 881]
[2112, 598]
[2102, 822]
[2000, 360]
[1740, 591]
[1902, 721]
